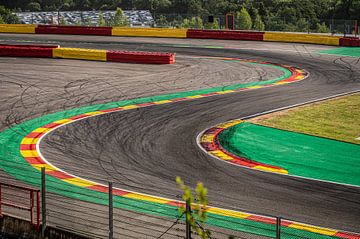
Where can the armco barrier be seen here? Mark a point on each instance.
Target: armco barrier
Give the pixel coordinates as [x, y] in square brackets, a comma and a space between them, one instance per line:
[73, 30]
[350, 41]
[17, 28]
[78, 53]
[141, 57]
[16, 51]
[302, 38]
[226, 35]
[149, 32]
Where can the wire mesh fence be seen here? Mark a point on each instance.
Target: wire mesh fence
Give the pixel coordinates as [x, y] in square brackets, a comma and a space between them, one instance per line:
[86, 213]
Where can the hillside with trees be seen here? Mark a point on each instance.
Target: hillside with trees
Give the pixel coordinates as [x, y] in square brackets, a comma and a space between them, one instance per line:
[277, 15]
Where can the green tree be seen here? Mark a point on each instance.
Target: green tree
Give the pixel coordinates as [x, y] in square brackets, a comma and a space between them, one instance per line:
[196, 23]
[101, 21]
[161, 21]
[215, 25]
[8, 16]
[243, 20]
[198, 218]
[1, 20]
[34, 7]
[322, 28]
[258, 23]
[119, 19]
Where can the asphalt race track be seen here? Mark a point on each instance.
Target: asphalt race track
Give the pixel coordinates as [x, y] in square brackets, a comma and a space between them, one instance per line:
[145, 149]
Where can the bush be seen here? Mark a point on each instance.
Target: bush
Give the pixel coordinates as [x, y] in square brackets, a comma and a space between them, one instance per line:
[243, 20]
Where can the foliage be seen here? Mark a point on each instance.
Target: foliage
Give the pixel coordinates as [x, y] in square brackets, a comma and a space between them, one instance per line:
[119, 19]
[198, 218]
[214, 25]
[63, 21]
[101, 21]
[243, 20]
[322, 28]
[7, 16]
[194, 22]
[258, 23]
[34, 7]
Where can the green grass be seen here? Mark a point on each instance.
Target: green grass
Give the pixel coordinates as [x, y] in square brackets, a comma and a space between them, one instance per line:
[335, 119]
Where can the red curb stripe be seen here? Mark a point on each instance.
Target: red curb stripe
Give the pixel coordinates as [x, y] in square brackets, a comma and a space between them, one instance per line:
[119, 192]
[50, 126]
[266, 220]
[78, 117]
[176, 204]
[34, 160]
[347, 235]
[209, 146]
[99, 188]
[59, 174]
[27, 146]
[35, 135]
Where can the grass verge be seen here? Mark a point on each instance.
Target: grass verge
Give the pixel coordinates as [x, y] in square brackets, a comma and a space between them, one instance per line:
[335, 119]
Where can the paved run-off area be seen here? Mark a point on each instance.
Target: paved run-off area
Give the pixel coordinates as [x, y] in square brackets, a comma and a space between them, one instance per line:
[299, 154]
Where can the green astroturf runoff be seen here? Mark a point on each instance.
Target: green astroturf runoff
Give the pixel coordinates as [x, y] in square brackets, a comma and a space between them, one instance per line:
[302, 155]
[343, 51]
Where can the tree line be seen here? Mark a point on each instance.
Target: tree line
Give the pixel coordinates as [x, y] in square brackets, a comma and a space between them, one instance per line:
[281, 15]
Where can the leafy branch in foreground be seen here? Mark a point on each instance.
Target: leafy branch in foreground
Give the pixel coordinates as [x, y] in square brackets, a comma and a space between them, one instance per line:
[198, 215]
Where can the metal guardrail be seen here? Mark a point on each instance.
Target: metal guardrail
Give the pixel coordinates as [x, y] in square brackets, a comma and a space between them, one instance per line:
[18, 201]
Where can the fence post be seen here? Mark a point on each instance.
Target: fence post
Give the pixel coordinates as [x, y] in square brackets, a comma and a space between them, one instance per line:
[32, 207]
[188, 226]
[43, 202]
[0, 202]
[278, 227]
[111, 212]
[38, 210]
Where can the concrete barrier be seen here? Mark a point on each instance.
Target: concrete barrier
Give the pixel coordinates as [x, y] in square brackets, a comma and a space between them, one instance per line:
[73, 30]
[225, 35]
[79, 53]
[149, 32]
[17, 28]
[302, 38]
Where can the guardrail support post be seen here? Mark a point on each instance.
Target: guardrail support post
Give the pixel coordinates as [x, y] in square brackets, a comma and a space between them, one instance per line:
[111, 212]
[278, 227]
[0, 202]
[188, 226]
[43, 202]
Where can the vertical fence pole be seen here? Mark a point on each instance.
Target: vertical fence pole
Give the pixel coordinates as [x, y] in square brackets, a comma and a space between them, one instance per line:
[111, 212]
[188, 226]
[278, 227]
[37, 210]
[356, 28]
[0, 201]
[43, 202]
[32, 207]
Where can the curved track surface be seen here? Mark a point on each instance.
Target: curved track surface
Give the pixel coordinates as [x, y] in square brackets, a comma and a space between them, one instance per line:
[144, 149]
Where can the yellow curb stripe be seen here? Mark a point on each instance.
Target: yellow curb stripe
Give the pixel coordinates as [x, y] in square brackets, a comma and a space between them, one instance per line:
[79, 182]
[46, 166]
[29, 153]
[280, 83]
[221, 154]
[273, 170]
[146, 198]
[225, 92]
[41, 130]
[254, 87]
[319, 230]
[29, 140]
[299, 77]
[207, 138]
[94, 113]
[162, 102]
[228, 213]
[63, 121]
[194, 97]
[229, 124]
[129, 107]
